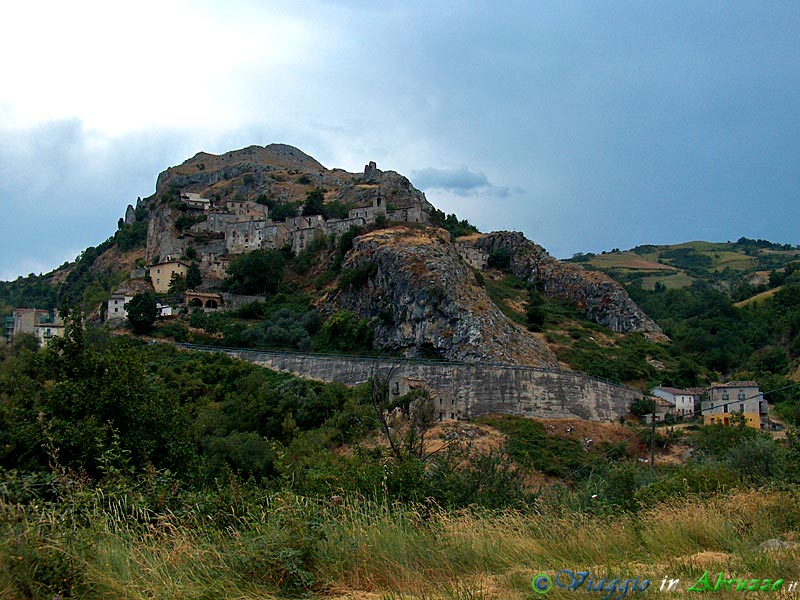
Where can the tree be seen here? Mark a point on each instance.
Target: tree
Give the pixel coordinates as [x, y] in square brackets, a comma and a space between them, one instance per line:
[257, 272]
[314, 204]
[642, 407]
[345, 332]
[177, 284]
[535, 311]
[193, 277]
[142, 312]
[499, 259]
[405, 432]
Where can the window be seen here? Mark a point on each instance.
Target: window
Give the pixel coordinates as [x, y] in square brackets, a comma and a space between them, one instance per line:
[741, 394]
[741, 408]
[452, 415]
[725, 396]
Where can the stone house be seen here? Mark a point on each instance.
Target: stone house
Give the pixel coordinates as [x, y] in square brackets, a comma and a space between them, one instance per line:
[246, 209]
[193, 200]
[301, 238]
[49, 328]
[684, 401]
[246, 236]
[412, 214]
[24, 320]
[161, 273]
[115, 309]
[664, 410]
[369, 213]
[216, 222]
[474, 257]
[724, 400]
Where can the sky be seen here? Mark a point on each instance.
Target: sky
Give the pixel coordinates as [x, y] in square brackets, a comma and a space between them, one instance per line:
[587, 125]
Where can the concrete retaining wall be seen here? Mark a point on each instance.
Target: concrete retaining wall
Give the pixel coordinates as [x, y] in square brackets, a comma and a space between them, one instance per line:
[463, 390]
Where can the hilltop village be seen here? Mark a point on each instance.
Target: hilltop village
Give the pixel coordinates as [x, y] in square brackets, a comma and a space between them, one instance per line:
[421, 290]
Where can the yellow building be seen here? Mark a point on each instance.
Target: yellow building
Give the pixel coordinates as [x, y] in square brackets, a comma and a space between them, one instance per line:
[725, 400]
[161, 274]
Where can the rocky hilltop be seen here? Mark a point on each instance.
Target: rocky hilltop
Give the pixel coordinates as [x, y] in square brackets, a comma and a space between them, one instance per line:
[239, 184]
[417, 287]
[600, 298]
[425, 299]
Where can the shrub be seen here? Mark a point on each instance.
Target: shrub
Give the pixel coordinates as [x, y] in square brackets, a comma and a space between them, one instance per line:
[499, 259]
[357, 276]
[257, 272]
[345, 332]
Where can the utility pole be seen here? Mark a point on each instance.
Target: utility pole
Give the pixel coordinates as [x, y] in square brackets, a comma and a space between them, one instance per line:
[653, 436]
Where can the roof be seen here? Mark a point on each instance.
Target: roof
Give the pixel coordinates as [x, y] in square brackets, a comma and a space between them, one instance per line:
[679, 391]
[735, 384]
[170, 262]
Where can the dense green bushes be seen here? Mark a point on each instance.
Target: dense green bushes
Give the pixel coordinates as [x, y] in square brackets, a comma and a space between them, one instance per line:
[258, 273]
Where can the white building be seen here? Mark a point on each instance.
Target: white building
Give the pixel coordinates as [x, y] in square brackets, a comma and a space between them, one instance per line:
[115, 309]
[684, 401]
[195, 201]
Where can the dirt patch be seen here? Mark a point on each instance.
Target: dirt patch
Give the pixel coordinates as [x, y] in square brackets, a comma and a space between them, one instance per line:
[705, 559]
[482, 438]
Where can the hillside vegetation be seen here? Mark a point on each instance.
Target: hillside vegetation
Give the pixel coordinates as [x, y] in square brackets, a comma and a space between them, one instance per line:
[138, 470]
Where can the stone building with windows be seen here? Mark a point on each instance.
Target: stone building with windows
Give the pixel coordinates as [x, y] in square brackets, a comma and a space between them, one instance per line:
[161, 273]
[725, 400]
[684, 401]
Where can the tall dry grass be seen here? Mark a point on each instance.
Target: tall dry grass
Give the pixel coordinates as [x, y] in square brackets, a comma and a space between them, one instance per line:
[290, 547]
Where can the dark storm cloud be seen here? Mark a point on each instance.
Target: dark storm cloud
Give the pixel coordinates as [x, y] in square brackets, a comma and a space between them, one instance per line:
[63, 189]
[459, 181]
[588, 125]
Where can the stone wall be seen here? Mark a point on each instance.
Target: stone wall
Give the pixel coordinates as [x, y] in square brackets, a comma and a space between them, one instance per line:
[464, 390]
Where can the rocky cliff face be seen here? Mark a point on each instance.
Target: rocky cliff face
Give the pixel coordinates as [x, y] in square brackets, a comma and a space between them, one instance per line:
[602, 299]
[425, 302]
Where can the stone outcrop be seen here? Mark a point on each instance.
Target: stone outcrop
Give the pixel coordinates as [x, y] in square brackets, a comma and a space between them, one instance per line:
[370, 172]
[424, 300]
[600, 298]
[130, 215]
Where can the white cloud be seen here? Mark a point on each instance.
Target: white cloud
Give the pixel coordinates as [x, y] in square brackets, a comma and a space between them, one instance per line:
[120, 67]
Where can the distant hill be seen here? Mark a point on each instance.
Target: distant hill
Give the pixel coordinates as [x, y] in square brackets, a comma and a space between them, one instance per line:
[728, 266]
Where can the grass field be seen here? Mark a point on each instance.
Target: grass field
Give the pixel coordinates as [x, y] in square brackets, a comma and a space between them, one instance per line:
[290, 547]
[678, 280]
[758, 297]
